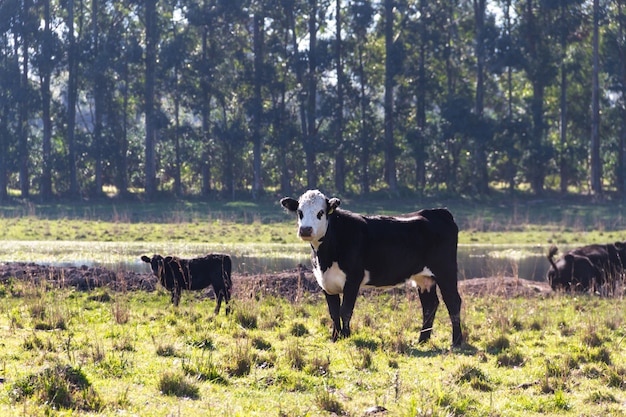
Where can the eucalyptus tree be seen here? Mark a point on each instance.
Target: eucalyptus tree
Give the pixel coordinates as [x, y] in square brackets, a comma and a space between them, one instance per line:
[568, 27]
[124, 92]
[360, 57]
[480, 136]
[28, 23]
[340, 162]
[151, 52]
[72, 96]
[216, 65]
[539, 62]
[391, 66]
[46, 59]
[614, 53]
[258, 49]
[9, 89]
[596, 163]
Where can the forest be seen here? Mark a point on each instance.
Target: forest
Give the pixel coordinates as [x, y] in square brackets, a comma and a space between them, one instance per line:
[242, 98]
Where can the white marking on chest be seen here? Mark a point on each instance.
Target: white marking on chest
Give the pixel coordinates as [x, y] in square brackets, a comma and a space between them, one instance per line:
[424, 280]
[332, 280]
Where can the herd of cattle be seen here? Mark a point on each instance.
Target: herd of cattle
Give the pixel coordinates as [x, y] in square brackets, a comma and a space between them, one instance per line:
[350, 251]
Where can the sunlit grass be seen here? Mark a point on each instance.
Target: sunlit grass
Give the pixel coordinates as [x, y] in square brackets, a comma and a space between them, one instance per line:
[525, 357]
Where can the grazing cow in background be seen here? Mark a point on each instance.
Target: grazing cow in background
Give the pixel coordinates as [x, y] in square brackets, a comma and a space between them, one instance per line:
[177, 274]
[588, 267]
[350, 251]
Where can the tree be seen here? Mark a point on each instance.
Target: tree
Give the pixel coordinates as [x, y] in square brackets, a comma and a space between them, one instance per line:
[480, 137]
[72, 92]
[390, 65]
[152, 39]
[596, 163]
[540, 69]
[257, 102]
[340, 162]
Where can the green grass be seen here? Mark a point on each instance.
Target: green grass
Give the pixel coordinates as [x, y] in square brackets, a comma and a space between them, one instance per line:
[498, 221]
[558, 356]
[65, 352]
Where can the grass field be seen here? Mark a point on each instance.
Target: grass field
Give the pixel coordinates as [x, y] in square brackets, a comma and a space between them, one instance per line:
[101, 353]
[65, 352]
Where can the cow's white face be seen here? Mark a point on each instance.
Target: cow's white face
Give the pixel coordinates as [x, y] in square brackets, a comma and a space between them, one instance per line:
[312, 209]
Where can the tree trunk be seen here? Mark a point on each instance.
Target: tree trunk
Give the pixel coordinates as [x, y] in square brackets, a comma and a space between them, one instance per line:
[596, 168]
[390, 158]
[257, 111]
[340, 161]
[563, 112]
[72, 94]
[150, 111]
[621, 174]
[99, 86]
[45, 74]
[206, 112]
[311, 113]
[365, 141]
[23, 105]
[482, 178]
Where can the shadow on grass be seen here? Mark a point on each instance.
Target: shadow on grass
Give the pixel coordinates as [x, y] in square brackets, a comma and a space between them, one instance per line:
[430, 351]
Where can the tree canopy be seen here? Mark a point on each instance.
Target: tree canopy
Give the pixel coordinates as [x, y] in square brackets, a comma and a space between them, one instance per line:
[246, 97]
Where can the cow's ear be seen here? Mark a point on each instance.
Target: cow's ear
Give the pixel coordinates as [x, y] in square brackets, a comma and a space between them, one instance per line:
[168, 259]
[145, 259]
[333, 203]
[290, 204]
[620, 245]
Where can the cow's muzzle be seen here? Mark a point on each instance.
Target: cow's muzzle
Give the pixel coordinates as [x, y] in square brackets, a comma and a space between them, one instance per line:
[305, 232]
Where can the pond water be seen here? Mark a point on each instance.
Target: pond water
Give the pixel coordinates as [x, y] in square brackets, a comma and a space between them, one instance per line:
[474, 261]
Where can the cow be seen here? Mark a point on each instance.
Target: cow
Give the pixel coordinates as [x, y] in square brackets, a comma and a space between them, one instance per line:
[176, 274]
[588, 267]
[350, 251]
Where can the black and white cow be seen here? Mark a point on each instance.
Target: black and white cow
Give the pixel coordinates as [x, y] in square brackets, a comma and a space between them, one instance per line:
[350, 251]
[588, 267]
[177, 274]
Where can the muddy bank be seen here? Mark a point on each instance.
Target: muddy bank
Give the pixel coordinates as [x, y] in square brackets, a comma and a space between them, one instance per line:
[291, 284]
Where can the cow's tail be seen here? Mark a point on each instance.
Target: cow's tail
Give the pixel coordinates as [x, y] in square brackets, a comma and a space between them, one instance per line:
[551, 253]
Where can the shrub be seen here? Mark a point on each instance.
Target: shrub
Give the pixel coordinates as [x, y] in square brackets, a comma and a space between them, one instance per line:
[246, 318]
[498, 344]
[328, 402]
[295, 356]
[203, 370]
[166, 351]
[510, 358]
[261, 344]
[240, 361]
[299, 330]
[177, 384]
[60, 387]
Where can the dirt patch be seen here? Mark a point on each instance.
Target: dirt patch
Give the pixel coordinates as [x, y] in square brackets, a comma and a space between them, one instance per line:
[291, 284]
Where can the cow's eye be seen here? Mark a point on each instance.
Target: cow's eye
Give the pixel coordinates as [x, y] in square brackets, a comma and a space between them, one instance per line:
[320, 214]
[300, 214]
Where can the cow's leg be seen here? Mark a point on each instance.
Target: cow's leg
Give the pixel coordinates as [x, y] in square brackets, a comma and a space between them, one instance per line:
[176, 295]
[334, 306]
[219, 298]
[430, 302]
[452, 299]
[350, 293]
[227, 299]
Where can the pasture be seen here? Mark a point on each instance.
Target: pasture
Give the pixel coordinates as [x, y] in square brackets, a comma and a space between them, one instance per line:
[133, 353]
[104, 352]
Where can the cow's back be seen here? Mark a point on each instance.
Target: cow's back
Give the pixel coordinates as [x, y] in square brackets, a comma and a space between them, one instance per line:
[393, 248]
[213, 269]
